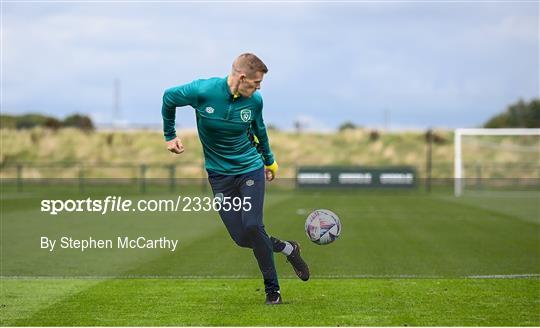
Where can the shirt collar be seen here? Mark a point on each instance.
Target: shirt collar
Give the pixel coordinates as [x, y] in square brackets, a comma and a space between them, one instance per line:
[228, 90]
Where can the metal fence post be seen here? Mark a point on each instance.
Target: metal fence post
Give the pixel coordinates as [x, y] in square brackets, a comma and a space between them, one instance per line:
[203, 178]
[19, 177]
[478, 175]
[172, 175]
[81, 178]
[142, 178]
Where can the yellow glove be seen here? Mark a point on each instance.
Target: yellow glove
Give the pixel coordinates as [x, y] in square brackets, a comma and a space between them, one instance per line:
[273, 168]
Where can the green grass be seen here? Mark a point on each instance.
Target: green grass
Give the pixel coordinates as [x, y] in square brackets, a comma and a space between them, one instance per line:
[439, 243]
[238, 302]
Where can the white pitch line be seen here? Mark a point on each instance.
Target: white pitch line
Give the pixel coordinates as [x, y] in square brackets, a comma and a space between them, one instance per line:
[505, 276]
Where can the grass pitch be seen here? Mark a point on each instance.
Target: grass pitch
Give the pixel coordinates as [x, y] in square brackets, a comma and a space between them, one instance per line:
[238, 302]
[405, 258]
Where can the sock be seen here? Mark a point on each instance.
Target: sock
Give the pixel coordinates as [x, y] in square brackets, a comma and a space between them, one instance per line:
[277, 245]
[288, 248]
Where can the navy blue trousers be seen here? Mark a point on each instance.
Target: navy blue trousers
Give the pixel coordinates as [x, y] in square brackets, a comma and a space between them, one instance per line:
[246, 226]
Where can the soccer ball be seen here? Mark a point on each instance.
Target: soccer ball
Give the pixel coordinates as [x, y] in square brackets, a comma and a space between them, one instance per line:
[323, 227]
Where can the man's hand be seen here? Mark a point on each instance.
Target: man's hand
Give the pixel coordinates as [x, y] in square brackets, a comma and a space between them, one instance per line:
[175, 146]
[270, 171]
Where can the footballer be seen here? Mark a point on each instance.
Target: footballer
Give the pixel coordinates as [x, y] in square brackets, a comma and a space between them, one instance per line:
[237, 156]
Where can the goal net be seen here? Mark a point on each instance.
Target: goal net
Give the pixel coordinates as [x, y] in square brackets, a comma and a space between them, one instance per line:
[496, 160]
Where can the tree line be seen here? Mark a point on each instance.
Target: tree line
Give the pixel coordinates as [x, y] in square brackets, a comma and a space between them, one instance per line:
[519, 115]
[28, 121]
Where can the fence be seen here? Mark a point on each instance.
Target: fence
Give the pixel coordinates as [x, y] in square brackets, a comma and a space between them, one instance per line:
[477, 175]
[82, 174]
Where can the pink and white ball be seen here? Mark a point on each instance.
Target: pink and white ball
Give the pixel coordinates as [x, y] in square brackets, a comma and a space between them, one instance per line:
[323, 226]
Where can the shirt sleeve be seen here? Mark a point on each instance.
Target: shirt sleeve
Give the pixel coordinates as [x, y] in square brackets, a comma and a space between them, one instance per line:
[259, 129]
[183, 95]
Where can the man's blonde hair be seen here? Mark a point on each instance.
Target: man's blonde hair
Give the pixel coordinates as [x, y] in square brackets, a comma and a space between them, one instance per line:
[249, 64]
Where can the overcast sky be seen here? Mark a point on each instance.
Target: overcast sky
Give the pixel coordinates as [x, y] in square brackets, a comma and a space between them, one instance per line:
[426, 64]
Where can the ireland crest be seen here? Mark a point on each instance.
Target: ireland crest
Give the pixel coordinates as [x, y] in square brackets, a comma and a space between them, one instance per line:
[245, 115]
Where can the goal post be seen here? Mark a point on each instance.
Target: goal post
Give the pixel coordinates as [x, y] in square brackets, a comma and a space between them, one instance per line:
[458, 156]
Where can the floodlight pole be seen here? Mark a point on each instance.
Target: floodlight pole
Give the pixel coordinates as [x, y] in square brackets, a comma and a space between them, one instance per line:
[458, 165]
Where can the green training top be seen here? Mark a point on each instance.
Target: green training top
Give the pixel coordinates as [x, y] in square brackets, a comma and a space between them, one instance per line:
[223, 122]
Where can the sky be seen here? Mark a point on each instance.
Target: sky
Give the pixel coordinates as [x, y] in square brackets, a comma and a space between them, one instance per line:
[396, 64]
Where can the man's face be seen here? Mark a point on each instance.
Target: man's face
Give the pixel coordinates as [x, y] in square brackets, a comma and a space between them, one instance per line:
[249, 84]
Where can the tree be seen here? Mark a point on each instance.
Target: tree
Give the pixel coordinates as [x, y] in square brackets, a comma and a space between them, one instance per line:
[29, 121]
[52, 123]
[520, 114]
[8, 122]
[79, 121]
[347, 125]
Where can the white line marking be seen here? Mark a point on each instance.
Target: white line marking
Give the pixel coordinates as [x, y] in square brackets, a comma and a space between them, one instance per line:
[505, 276]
